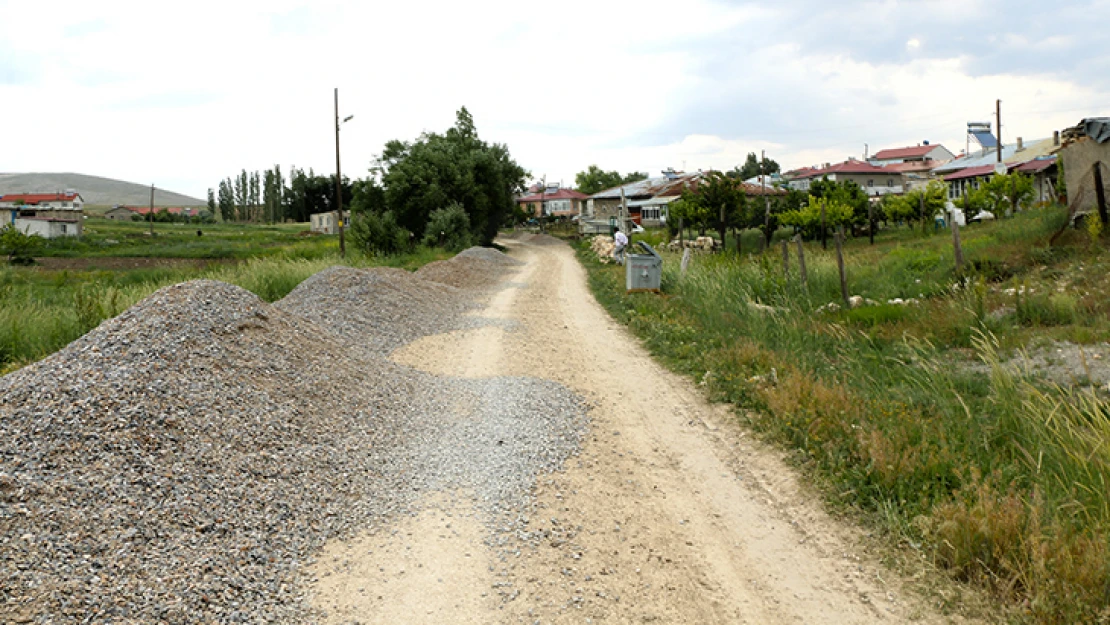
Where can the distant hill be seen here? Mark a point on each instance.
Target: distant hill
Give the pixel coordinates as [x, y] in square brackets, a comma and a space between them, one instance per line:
[94, 189]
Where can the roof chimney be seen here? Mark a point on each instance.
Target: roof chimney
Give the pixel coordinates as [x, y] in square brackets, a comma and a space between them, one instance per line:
[1056, 138]
[1021, 145]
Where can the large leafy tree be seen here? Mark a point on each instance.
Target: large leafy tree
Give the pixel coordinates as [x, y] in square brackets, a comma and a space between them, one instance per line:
[437, 170]
[750, 168]
[718, 201]
[595, 179]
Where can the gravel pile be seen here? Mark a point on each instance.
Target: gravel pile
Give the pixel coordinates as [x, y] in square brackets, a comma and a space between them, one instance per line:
[182, 461]
[470, 269]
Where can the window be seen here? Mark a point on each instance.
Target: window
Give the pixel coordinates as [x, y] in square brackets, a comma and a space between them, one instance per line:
[649, 213]
[870, 183]
[890, 182]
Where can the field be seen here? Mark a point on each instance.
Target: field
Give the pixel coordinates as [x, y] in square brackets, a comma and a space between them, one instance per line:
[79, 283]
[970, 426]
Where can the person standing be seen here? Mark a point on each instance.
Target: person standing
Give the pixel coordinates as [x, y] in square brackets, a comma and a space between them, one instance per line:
[620, 241]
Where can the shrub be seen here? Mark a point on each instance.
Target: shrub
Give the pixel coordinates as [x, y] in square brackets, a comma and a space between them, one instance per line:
[379, 233]
[19, 247]
[449, 228]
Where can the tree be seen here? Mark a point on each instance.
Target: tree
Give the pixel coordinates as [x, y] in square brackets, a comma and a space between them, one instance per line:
[227, 200]
[908, 207]
[449, 228]
[594, 179]
[437, 170]
[751, 168]
[717, 201]
[1004, 193]
[211, 201]
[808, 218]
[379, 233]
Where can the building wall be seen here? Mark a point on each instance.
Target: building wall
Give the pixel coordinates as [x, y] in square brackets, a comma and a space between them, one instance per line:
[48, 229]
[119, 214]
[324, 223]
[1079, 159]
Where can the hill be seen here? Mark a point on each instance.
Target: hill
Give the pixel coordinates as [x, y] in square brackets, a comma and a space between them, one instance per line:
[95, 190]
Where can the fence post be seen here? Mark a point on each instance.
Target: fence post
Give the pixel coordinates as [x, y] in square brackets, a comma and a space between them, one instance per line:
[840, 265]
[785, 260]
[801, 260]
[685, 260]
[956, 247]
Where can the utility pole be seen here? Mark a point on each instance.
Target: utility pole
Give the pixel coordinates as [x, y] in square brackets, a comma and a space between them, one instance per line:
[766, 200]
[150, 216]
[998, 120]
[339, 181]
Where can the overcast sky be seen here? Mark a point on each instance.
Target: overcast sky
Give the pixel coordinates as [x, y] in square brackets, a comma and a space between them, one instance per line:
[184, 94]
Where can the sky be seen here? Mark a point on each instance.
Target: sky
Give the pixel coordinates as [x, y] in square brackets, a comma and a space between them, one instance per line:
[182, 95]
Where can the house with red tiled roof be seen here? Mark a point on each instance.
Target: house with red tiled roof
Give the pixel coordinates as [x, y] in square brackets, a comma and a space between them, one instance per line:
[46, 214]
[553, 201]
[874, 180]
[914, 163]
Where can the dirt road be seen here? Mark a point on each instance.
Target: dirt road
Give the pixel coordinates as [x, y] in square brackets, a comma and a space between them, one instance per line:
[669, 514]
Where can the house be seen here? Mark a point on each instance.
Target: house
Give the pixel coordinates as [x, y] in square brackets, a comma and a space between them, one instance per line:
[326, 223]
[874, 180]
[1086, 158]
[649, 201]
[967, 173]
[914, 163]
[553, 201]
[120, 213]
[646, 200]
[47, 214]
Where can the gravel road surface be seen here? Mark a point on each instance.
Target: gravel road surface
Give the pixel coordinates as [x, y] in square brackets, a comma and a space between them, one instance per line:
[473, 443]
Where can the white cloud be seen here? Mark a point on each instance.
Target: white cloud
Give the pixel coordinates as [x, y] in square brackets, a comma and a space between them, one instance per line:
[183, 95]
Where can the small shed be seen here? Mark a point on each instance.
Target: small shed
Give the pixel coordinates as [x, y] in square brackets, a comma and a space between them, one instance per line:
[121, 213]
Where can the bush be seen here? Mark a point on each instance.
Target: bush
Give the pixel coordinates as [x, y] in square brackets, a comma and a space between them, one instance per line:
[449, 228]
[19, 247]
[379, 233]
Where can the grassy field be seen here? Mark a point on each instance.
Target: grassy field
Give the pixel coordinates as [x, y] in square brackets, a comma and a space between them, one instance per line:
[114, 265]
[913, 416]
[104, 238]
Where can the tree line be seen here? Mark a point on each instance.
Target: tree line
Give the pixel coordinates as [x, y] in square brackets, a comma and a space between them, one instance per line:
[270, 197]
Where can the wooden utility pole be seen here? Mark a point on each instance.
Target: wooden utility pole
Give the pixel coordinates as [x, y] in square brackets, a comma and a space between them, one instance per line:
[338, 181]
[998, 120]
[150, 215]
[840, 265]
[801, 259]
[766, 200]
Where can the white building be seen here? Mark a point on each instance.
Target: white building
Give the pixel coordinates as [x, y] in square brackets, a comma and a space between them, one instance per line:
[46, 214]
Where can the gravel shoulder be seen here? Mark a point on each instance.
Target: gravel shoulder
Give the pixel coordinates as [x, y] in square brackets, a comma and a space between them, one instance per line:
[668, 513]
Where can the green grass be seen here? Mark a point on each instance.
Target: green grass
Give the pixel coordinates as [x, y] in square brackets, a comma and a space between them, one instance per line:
[104, 237]
[1001, 479]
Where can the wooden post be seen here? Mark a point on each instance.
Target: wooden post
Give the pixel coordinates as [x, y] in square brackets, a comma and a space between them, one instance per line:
[785, 260]
[681, 234]
[840, 265]
[959, 250]
[871, 219]
[801, 260]
[921, 203]
[685, 260]
[824, 230]
[1100, 195]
